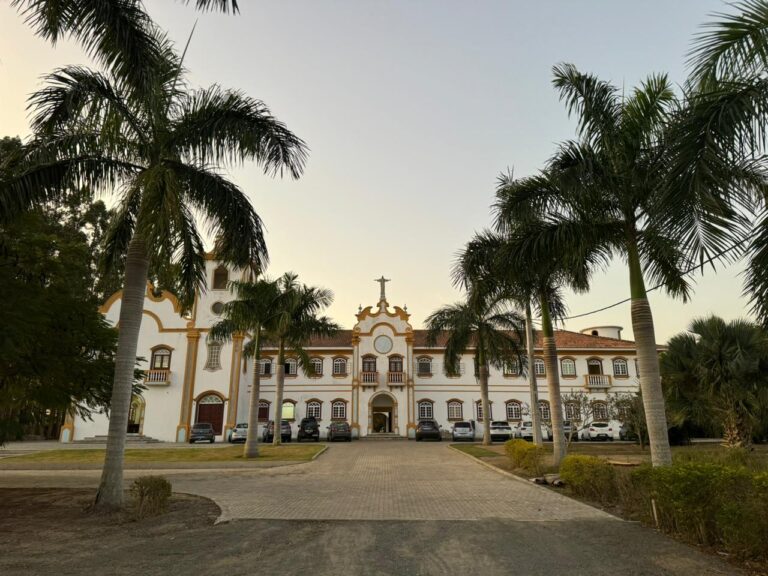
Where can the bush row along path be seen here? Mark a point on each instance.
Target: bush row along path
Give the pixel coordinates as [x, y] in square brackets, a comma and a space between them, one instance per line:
[387, 498]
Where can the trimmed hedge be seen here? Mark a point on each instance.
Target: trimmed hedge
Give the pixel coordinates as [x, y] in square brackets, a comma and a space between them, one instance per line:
[151, 494]
[525, 455]
[711, 503]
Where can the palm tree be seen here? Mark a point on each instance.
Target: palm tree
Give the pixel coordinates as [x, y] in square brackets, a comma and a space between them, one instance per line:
[717, 373]
[296, 322]
[539, 274]
[255, 310]
[484, 323]
[118, 34]
[163, 150]
[718, 142]
[605, 201]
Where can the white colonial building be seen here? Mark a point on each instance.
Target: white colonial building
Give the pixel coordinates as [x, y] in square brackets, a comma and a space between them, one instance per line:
[380, 376]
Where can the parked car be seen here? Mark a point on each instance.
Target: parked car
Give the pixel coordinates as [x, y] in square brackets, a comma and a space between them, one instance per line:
[570, 430]
[309, 429]
[285, 431]
[626, 433]
[428, 429]
[597, 431]
[239, 432]
[501, 430]
[525, 431]
[463, 431]
[339, 431]
[202, 432]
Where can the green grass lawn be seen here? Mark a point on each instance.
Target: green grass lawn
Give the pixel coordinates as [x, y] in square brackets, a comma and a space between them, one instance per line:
[476, 451]
[298, 452]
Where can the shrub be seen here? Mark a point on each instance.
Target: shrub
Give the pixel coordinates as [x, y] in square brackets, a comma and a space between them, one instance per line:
[151, 494]
[525, 455]
[590, 477]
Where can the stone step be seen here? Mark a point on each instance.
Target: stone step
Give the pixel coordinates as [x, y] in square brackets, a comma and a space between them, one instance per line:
[383, 436]
[129, 439]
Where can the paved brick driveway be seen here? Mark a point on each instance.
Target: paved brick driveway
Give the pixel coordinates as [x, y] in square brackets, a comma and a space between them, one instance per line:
[383, 480]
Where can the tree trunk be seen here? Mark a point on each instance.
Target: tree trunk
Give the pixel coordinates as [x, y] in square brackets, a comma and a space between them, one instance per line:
[110, 493]
[553, 384]
[279, 382]
[483, 375]
[251, 448]
[648, 361]
[534, 386]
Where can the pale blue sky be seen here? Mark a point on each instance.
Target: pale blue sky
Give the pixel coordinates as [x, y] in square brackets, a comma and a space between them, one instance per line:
[411, 109]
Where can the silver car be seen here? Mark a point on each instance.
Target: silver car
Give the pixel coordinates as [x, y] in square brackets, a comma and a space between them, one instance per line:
[239, 432]
[463, 431]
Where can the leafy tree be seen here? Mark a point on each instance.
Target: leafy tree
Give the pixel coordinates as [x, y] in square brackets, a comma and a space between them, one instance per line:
[296, 321]
[163, 150]
[256, 310]
[485, 324]
[717, 373]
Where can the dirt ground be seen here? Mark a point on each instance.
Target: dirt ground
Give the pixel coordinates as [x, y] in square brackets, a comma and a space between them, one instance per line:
[47, 532]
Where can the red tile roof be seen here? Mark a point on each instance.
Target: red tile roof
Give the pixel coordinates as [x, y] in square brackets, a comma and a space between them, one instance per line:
[564, 339]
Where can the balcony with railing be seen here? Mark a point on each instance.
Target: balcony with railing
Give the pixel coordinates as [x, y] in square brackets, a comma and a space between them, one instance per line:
[396, 379]
[597, 381]
[157, 377]
[369, 379]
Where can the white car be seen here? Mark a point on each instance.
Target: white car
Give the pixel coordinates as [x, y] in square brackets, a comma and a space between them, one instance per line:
[599, 431]
[525, 431]
[501, 430]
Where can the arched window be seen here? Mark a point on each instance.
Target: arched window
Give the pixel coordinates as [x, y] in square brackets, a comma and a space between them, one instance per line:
[339, 410]
[314, 409]
[544, 411]
[263, 411]
[161, 359]
[220, 278]
[317, 366]
[395, 363]
[213, 360]
[290, 367]
[620, 368]
[265, 366]
[289, 410]
[572, 411]
[568, 367]
[339, 367]
[594, 366]
[599, 411]
[425, 366]
[512, 368]
[514, 410]
[479, 410]
[369, 363]
[539, 368]
[426, 411]
[455, 410]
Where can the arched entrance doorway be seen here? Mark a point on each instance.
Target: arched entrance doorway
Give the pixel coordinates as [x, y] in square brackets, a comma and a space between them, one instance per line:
[382, 414]
[136, 415]
[210, 410]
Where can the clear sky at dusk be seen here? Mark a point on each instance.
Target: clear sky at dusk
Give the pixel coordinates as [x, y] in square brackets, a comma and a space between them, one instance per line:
[411, 109]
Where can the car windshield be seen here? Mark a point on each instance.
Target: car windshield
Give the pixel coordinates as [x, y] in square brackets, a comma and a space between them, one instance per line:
[461, 425]
[340, 425]
[201, 427]
[242, 426]
[600, 425]
[526, 424]
[427, 424]
[500, 424]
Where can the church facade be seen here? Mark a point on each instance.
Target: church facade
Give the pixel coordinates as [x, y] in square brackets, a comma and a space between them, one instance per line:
[381, 376]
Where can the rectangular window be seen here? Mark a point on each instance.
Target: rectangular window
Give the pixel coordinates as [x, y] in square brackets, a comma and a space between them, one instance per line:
[265, 367]
[289, 411]
[263, 411]
[339, 367]
[454, 411]
[339, 411]
[480, 411]
[512, 368]
[425, 411]
[313, 410]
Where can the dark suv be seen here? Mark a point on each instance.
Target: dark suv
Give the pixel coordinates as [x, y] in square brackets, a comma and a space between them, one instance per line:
[428, 429]
[308, 429]
[202, 432]
[285, 431]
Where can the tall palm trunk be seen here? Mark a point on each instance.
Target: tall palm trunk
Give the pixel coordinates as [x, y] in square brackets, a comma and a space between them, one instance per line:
[534, 386]
[279, 382]
[648, 361]
[483, 376]
[251, 448]
[553, 383]
[110, 493]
